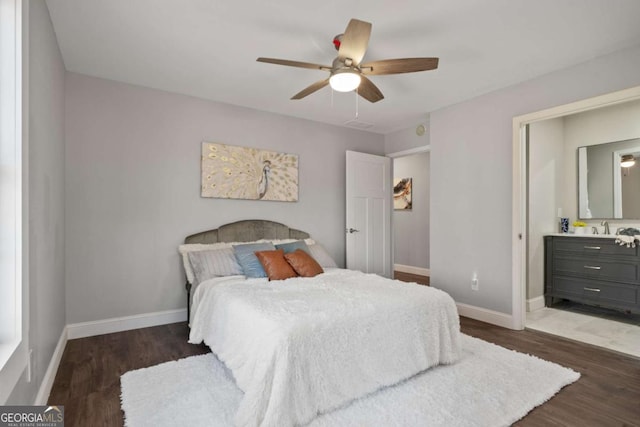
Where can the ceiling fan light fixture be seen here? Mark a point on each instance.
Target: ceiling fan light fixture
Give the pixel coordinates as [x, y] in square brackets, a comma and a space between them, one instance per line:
[627, 161]
[344, 80]
[347, 71]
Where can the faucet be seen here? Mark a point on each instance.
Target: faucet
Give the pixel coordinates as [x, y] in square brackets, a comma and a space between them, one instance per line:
[594, 230]
[606, 227]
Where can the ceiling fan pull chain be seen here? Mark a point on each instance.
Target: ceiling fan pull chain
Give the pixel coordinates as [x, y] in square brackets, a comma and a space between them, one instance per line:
[356, 103]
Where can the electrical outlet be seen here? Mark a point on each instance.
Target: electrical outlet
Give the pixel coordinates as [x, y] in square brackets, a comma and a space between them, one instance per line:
[474, 282]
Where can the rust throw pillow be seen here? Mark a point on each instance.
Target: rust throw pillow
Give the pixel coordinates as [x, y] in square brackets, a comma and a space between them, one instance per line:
[274, 264]
[303, 263]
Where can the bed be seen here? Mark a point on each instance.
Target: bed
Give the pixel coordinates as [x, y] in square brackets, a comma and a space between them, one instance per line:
[305, 346]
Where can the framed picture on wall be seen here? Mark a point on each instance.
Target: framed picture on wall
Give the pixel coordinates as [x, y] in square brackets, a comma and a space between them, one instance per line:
[402, 194]
[232, 172]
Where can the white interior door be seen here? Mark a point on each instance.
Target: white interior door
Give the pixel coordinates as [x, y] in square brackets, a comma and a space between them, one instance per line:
[369, 213]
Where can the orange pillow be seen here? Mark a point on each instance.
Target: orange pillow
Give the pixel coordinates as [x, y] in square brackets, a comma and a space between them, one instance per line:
[274, 264]
[303, 263]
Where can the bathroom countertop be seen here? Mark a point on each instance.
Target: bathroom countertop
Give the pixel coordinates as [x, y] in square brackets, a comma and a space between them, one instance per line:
[597, 236]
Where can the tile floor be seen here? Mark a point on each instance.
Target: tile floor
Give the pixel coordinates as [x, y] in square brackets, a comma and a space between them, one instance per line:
[617, 336]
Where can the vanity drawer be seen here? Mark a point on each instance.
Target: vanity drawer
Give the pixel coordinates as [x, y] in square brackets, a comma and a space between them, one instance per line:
[597, 268]
[587, 246]
[595, 290]
[592, 270]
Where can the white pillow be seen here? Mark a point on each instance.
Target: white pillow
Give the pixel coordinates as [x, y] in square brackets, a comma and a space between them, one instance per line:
[321, 256]
[214, 263]
[195, 247]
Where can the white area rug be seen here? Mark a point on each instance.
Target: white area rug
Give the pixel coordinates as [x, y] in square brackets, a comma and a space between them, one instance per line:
[489, 386]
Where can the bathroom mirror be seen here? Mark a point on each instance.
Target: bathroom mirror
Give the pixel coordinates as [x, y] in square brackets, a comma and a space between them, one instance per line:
[606, 188]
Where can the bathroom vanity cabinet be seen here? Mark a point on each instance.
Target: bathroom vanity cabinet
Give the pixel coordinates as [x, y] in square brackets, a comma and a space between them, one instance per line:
[592, 270]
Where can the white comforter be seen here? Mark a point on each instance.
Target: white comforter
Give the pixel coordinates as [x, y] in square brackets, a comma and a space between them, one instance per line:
[309, 345]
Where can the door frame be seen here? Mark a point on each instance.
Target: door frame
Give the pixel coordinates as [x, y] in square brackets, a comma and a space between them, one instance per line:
[617, 180]
[519, 187]
[404, 153]
[410, 152]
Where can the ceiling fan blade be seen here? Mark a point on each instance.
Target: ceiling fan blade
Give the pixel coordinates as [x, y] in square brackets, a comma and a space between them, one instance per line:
[398, 66]
[294, 63]
[355, 41]
[369, 91]
[310, 89]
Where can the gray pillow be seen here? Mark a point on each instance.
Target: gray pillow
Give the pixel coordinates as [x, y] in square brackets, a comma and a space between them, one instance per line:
[214, 263]
[245, 255]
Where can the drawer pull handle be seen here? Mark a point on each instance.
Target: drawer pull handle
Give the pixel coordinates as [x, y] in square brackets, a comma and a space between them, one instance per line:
[592, 247]
[592, 289]
[592, 267]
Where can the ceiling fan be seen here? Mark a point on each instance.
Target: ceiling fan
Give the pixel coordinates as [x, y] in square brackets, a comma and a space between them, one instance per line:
[347, 73]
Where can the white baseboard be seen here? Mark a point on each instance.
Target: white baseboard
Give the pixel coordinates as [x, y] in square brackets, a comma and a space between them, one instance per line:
[412, 270]
[100, 327]
[50, 375]
[536, 303]
[485, 315]
[119, 324]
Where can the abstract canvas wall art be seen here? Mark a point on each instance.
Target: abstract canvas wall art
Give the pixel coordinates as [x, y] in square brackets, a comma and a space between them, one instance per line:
[402, 193]
[232, 172]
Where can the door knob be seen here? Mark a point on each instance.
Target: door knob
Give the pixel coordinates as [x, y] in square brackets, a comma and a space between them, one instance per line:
[353, 230]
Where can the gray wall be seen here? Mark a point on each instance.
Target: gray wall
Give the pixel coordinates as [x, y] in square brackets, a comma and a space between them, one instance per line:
[46, 198]
[133, 189]
[471, 179]
[406, 139]
[411, 228]
[618, 122]
[546, 175]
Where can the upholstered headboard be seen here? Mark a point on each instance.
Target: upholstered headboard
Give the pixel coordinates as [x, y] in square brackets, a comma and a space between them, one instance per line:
[247, 231]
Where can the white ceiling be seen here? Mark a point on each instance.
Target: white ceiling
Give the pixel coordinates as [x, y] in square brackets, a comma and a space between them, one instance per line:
[208, 48]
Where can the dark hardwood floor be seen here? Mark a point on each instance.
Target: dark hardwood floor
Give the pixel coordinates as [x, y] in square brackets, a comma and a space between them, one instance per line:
[409, 277]
[607, 394]
[88, 378]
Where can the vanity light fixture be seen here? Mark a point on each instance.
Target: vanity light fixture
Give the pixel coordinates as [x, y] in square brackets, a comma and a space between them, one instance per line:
[627, 161]
[344, 80]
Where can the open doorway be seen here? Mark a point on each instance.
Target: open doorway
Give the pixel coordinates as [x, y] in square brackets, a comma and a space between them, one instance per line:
[558, 269]
[410, 217]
